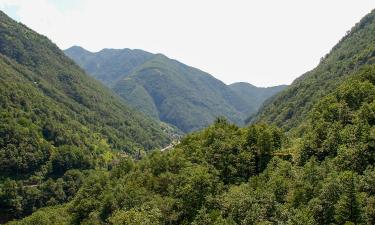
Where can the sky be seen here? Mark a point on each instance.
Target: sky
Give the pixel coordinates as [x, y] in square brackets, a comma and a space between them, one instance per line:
[263, 42]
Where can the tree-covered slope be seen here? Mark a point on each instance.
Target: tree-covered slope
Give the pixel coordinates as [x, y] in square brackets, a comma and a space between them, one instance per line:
[254, 96]
[54, 118]
[168, 90]
[289, 108]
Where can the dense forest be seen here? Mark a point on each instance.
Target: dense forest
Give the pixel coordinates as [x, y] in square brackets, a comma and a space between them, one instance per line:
[171, 91]
[321, 173]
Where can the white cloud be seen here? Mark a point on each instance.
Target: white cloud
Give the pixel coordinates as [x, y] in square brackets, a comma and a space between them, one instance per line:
[262, 42]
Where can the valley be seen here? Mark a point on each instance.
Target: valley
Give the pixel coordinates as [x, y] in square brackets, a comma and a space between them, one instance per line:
[128, 137]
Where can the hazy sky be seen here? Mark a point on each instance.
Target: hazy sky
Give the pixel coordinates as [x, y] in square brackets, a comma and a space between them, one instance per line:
[263, 42]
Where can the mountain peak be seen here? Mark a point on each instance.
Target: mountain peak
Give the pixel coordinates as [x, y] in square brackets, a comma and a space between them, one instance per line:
[243, 84]
[77, 48]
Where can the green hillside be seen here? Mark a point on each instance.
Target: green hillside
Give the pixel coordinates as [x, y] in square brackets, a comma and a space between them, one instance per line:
[289, 108]
[168, 90]
[55, 118]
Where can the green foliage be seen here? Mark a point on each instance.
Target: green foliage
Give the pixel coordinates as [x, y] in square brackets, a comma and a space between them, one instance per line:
[341, 125]
[214, 217]
[347, 207]
[47, 216]
[18, 198]
[136, 217]
[235, 153]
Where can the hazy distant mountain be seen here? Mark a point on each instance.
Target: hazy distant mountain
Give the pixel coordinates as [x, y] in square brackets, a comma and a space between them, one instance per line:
[108, 65]
[254, 96]
[168, 90]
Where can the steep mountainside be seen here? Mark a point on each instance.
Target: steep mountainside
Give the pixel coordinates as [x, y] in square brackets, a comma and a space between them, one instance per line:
[289, 108]
[56, 78]
[168, 90]
[179, 94]
[54, 117]
[254, 96]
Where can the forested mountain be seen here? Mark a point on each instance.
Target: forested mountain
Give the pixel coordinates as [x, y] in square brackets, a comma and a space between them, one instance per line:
[168, 90]
[55, 118]
[289, 108]
[178, 94]
[254, 96]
